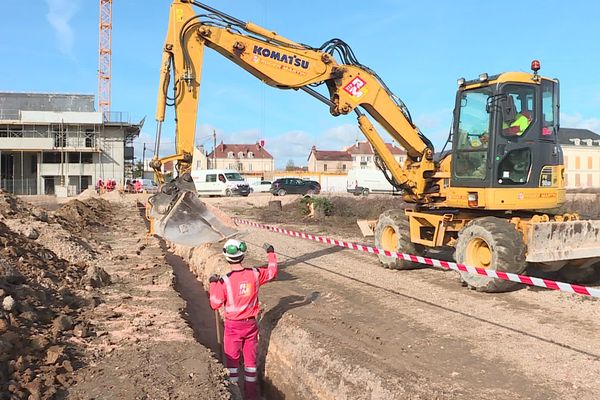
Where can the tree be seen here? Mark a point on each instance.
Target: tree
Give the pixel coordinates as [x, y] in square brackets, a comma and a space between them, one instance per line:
[138, 170]
[290, 166]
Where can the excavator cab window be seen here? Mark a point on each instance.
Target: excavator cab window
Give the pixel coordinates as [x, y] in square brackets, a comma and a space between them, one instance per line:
[520, 119]
[549, 106]
[471, 148]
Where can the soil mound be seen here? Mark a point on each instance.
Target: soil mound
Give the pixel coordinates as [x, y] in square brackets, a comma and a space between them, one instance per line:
[42, 294]
[77, 215]
[40, 304]
[87, 193]
[342, 215]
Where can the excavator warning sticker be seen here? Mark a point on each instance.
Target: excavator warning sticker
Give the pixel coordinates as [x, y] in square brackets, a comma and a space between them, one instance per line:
[356, 88]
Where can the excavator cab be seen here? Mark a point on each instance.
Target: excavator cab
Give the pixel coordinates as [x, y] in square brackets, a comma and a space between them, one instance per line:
[506, 136]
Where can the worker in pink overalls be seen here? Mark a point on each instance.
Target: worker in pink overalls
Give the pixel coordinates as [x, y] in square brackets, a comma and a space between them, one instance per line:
[238, 292]
[137, 186]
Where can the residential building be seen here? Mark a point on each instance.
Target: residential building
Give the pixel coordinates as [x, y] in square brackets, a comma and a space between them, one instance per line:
[248, 159]
[59, 144]
[581, 151]
[329, 161]
[199, 159]
[363, 155]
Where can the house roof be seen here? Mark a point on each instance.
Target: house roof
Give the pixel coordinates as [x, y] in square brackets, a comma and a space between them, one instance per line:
[223, 149]
[331, 155]
[566, 134]
[366, 148]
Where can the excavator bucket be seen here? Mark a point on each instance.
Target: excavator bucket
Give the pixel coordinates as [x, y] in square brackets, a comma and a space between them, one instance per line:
[182, 218]
[562, 241]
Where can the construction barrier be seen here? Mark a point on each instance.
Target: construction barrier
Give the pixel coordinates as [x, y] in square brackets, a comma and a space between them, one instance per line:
[507, 276]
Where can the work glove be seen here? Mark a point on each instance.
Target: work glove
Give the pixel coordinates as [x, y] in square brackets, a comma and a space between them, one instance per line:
[268, 248]
[213, 278]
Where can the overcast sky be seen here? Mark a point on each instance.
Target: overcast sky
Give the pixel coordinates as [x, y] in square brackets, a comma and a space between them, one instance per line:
[419, 48]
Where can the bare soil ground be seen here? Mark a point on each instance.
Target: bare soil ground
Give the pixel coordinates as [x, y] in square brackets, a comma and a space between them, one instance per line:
[88, 309]
[95, 315]
[423, 334]
[346, 210]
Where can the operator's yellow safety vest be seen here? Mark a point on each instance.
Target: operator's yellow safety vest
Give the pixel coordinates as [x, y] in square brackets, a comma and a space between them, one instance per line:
[522, 122]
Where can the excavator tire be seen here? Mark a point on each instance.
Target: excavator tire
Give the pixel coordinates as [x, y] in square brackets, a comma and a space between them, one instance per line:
[493, 243]
[392, 234]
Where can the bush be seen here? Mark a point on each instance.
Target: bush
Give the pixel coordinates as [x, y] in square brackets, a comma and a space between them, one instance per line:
[322, 203]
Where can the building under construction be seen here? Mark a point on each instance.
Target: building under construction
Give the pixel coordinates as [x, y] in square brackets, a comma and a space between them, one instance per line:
[59, 144]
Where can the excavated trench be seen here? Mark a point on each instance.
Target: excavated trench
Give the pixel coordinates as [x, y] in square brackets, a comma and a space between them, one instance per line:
[203, 321]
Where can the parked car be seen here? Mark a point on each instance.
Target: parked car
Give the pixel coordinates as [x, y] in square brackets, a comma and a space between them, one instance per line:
[260, 186]
[220, 182]
[149, 185]
[283, 186]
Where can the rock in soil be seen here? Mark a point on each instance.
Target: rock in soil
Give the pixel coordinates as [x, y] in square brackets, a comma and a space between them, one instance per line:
[81, 331]
[62, 323]
[9, 304]
[97, 277]
[10, 274]
[53, 354]
[31, 233]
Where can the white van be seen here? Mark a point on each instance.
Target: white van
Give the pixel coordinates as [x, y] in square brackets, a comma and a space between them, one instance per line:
[366, 181]
[220, 182]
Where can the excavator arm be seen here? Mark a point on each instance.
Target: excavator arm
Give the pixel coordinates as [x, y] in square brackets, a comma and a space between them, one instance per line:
[284, 64]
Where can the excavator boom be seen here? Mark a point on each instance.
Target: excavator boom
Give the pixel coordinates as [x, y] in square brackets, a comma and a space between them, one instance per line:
[284, 64]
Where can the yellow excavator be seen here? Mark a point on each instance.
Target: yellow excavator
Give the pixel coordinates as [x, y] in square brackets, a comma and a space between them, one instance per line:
[492, 198]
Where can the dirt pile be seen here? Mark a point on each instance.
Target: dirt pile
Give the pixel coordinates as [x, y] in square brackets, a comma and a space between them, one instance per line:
[62, 232]
[40, 303]
[87, 193]
[587, 205]
[342, 219]
[42, 296]
[78, 216]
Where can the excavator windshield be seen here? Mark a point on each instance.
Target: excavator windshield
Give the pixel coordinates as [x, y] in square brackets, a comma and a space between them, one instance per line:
[473, 134]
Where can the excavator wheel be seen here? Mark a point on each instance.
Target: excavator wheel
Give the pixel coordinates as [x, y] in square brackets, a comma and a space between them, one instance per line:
[392, 234]
[492, 243]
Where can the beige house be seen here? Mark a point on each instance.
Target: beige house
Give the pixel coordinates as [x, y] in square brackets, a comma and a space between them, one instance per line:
[581, 151]
[199, 160]
[329, 161]
[363, 156]
[251, 159]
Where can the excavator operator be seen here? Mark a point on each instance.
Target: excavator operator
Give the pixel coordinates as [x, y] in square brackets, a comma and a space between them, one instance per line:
[518, 126]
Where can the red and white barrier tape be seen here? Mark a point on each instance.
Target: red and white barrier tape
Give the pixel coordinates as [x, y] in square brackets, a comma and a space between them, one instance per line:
[507, 276]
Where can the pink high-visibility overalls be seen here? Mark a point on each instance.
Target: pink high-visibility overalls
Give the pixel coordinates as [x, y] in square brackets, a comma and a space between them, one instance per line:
[238, 292]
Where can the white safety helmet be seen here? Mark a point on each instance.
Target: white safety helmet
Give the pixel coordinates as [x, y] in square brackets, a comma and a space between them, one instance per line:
[234, 250]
